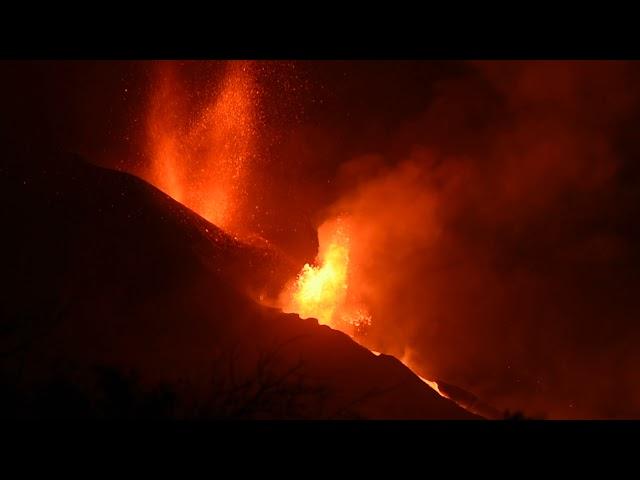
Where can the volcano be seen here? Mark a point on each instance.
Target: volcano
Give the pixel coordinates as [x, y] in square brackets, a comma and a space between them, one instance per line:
[121, 302]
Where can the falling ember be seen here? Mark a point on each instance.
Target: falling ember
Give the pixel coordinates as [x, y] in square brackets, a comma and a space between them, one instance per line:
[201, 153]
[322, 291]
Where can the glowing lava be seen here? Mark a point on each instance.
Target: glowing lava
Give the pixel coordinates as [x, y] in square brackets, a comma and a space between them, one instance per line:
[201, 147]
[322, 291]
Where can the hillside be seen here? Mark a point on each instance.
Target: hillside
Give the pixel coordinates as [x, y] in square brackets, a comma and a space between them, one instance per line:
[119, 301]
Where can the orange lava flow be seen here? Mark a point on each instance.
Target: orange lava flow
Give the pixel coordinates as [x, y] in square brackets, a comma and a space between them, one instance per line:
[321, 290]
[201, 148]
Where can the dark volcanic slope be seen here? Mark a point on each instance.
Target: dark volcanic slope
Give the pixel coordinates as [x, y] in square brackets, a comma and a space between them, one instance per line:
[119, 301]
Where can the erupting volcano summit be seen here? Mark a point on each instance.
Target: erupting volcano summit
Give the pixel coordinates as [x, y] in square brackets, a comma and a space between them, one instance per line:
[318, 239]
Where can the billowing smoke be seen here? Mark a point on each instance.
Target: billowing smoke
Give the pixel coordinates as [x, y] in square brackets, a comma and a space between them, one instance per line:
[494, 243]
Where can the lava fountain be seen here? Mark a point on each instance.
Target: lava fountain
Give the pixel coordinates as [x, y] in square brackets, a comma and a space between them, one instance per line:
[322, 290]
[202, 147]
